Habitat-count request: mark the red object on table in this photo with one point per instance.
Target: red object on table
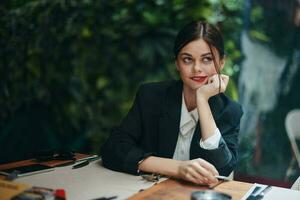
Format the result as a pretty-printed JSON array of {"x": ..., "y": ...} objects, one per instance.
[{"x": 60, "y": 194}]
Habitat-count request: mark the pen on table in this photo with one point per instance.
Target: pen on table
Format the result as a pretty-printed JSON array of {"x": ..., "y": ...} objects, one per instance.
[
  {"x": 92, "y": 157},
  {"x": 106, "y": 198},
  {"x": 84, "y": 163},
  {"x": 221, "y": 180},
  {"x": 224, "y": 178}
]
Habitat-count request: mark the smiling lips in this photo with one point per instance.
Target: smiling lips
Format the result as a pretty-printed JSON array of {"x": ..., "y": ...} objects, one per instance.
[{"x": 199, "y": 79}]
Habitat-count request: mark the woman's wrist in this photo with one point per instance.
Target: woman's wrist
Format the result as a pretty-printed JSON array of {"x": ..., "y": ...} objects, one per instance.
[
  {"x": 170, "y": 167},
  {"x": 201, "y": 99},
  {"x": 163, "y": 166},
  {"x": 178, "y": 164}
]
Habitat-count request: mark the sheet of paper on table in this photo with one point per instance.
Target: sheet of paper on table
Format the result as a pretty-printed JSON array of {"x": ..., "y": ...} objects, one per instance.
[{"x": 276, "y": 193}]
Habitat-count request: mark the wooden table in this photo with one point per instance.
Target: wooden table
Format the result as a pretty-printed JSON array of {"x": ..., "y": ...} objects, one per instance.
[{"x": 179, "y": 190}]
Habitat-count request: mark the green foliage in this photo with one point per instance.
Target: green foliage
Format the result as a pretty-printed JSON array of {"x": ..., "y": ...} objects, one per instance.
[{"x": 84, "y": 59}]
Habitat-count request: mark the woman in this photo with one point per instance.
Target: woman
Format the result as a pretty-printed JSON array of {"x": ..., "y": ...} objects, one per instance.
[{"x": 186, "y": 129}]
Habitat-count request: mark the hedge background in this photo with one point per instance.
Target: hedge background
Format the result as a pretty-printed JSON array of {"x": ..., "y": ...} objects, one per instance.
[{"x": 70, "y": 69}]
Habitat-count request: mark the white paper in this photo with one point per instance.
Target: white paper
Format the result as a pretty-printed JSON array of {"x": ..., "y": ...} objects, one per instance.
[{"x": 276, "y": 193}]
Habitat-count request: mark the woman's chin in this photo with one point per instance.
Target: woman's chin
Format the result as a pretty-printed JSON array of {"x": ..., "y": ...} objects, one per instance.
[
  {"x": 195, "y": 87},
  {"x": 192, "y": 85}
]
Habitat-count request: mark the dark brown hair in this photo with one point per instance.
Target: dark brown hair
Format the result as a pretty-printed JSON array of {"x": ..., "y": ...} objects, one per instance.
[{"x": 201, "y": 30}]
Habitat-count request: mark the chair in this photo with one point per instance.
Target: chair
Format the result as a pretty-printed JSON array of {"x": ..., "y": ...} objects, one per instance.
[
  {"x": 296, "y": 185},
  {"x": 292, "y": 126}
]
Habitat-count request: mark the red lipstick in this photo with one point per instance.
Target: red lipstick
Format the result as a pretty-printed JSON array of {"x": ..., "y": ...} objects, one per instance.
[{"x": 199, "y": 79}]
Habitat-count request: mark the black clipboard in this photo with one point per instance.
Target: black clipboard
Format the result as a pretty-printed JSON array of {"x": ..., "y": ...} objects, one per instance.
[{"x": 27, "y": 170}]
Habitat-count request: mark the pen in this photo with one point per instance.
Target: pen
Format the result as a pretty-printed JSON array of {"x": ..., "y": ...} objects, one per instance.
[
  {"x": 82, "y": 164},
  {"x": 85, "y": 162},
  {"x": 106, "y": 198},
  {"x": 224, "y": 178},
  {"x": 93, "y": 157}
]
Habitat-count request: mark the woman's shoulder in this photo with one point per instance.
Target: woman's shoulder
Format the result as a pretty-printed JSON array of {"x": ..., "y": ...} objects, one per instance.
[
  {"x": 160, "y": 85},
  {"x": 159, "y": 94},
  {"x": 153, "y": 97},
  {"x": 157, "y": 88}
]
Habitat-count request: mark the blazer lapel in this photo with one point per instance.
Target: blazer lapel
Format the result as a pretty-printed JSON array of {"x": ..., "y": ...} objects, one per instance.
[{"x": 169, "y": 122}]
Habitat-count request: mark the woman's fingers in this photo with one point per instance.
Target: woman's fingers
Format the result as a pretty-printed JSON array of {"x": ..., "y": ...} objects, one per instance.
[
  {"x": 206, "y": 176},
  {"x": 189, "y": 172},
  {"x": 198, "y": 171},
  {"x": 198, "y": 178},
  {"x": 214, "y": 80},
  {"x": 208, "y": 166},
  {"x": 191, "y": 178},
  {"x": 218, "y": 80},
  {"x": 215, "y": 84},
  {"x": 203, "y": 171},
  {"x": 225, "y": 79}
]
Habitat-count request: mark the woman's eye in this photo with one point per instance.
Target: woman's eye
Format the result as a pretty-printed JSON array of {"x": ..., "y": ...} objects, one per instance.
[
  {"x": 187, "y": 60},
  {"x": 207, "y": 59}
]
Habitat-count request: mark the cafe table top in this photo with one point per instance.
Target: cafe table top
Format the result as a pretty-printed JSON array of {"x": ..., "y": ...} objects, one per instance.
[{"x": 94, "y": 181}]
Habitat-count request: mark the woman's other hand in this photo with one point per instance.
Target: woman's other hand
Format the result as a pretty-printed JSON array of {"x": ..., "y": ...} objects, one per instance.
[
  {"x": 212, "y": 87},
  {"x": 198, "y": 171}
]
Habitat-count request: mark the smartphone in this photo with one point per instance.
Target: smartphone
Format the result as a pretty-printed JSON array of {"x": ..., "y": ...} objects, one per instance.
[{"x": 27, "y": 170}]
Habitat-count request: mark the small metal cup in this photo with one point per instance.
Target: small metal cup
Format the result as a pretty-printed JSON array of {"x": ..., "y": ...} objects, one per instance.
[{"x": 209, "y": 195}]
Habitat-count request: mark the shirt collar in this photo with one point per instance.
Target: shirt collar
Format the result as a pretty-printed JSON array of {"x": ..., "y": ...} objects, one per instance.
[{"x": 188, "y": 120}]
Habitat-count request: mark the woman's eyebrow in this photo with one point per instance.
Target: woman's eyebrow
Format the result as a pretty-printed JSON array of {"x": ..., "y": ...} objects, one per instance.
[
  {"x": 206, "y": 54},
  {"x": 202, "y": 55},
  {"x": 185, "y": 54}
]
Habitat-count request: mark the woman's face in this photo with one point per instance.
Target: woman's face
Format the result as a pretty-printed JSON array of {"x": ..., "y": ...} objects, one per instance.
[{"x": 195, "y": 63}]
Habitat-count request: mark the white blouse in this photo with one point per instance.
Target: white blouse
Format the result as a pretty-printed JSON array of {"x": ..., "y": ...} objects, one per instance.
[{"x": 188, "y": 122}]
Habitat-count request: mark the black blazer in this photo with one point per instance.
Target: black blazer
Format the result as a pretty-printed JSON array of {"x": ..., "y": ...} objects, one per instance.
[{"x": 152, "y": 126}]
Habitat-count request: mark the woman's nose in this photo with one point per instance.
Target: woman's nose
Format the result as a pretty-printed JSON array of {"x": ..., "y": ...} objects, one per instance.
[{"x": 197, "y": 67}]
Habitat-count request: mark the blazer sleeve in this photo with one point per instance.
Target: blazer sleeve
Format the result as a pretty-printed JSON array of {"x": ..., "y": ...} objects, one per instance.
[
  {"x": 225, "y": 157},
  {"x": 121, "y": 152}
]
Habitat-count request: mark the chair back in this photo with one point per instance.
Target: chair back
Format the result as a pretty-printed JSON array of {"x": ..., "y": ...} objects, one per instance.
[
  {"x": 296, "y": 184},
  {"x": 292, "y": 126}
]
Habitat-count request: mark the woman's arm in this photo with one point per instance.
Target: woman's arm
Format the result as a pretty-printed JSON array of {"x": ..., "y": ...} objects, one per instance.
[
  {"x": 224, "y": 155},
  {"x": 207, "y": 122},
  {"x": 197, "y": 171}
]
